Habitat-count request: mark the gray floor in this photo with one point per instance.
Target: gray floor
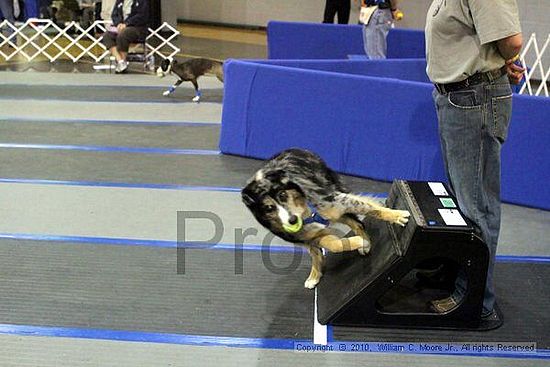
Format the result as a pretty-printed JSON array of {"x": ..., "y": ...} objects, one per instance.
[
  {"x": 39, "y": 110},
  {"x": 99, "y": 93},
  {"x": 145, "y": 213},
  {"x": 111, "y": 134}
]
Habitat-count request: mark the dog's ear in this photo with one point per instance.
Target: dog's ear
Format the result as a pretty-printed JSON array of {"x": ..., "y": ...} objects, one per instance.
[
  {"x": 277, "y": 177},
  {"x": 247, "y": 199},
  {"x": 248, "y": 194}
]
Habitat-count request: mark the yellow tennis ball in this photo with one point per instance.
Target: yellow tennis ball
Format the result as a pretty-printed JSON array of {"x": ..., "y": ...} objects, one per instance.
[
  {"x": 399, "y": 15},
  {"x": 293, "y": 228}
]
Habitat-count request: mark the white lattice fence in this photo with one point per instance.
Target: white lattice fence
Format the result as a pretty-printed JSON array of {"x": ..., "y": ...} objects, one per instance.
[
  {"x": 38, "y": 37},
  {"x": 535, "y": 69}
]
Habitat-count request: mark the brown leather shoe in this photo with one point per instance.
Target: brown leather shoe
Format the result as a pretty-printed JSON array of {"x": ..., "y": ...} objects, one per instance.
[{"x": 444, "y": 305}]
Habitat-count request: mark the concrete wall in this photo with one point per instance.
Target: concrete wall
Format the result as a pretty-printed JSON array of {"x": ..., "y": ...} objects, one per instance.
[
  {"x": 167, "y": 8},
  {"x": 250, "y": 12},
  {"x": 534, "y": 13}
]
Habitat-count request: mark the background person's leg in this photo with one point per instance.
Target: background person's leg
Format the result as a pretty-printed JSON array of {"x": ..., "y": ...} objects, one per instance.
[
  {"x": 376, "y": 32},
  {"x": 330, "y": 11},
  {"x": 344, "y": 8},
  {"x": 6, "y": 7},
  {"x": 109, "y": 40},
  {"x": 125, "y": 38}
]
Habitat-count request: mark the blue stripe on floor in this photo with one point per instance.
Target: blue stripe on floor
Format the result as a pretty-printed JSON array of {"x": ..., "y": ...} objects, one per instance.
[
  {"x": 222, "y": 341},
  {"x": 143, "y": 185},
  {"x": 91, "y": 121},
  {"x": 138, "y": 336},
  {"x": 94, "y": 148},
  {"x": 114, "y": 241},
  {"x": 120, "y": 185},
  {"x": 523, "y": 259}
]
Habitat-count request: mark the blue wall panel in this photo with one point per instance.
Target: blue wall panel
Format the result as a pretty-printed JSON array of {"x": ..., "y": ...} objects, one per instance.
[{"x": 290, "y": 40}]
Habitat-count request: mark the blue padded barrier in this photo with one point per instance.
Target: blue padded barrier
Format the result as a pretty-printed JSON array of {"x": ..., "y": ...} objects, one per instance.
[
  {"x": 526, "y": 153},
  {"x": 406, "y": 43},
  {"x": 348, "y": 119},
  {"x": 375, "y": 127},
  {"x": 403, "y": 69},
  {"x": 290, "y": 40}
]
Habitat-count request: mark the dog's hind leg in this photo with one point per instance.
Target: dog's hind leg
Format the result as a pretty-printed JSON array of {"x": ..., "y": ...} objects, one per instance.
[
  {"x": 198, "y": 93},
  {"x": 316, "y": 273},
  {"x": 172, "y": 88}
]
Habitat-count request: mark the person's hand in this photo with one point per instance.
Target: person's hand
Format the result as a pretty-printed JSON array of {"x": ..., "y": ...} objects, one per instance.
[
  {"x": 120, "y": 27},
  {"x": 515, "y": 72}
]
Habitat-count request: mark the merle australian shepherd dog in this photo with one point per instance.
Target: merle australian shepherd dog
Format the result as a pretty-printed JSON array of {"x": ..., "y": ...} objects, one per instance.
[
  {"x": 285, "y": 194},
  {"x": 190, "y": 71}
]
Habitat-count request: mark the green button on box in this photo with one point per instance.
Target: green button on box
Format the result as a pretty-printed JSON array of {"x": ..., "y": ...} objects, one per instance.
[{"x": 448, "y": 202}]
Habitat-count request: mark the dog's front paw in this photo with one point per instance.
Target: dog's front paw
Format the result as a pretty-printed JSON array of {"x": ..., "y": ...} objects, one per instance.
[
  {"x": 366, "y": 247},
  {"x": 197, "y": 99},
  {"x": 310, "y": 282},
  {"x": 402, "y": 217},
  {"x": 355, "y": 243}
]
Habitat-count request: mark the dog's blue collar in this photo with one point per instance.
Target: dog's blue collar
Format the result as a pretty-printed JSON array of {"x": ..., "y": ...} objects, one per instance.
[{"x": 316, "y": 218}]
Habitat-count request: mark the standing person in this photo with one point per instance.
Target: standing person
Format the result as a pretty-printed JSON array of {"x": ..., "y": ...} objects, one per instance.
[
  {"x": 340, "y": 7},
  {"x": 130, "y": 17},
  {"x": 471, "y": 46},
  {"x": 378, "y": 26}
]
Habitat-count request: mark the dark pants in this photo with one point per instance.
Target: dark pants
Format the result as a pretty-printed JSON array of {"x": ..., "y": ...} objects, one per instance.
[
  {"x": 332, "y": 7},
  {"x": 6, "y": 7},
  {"x": 123, "y": 39}
]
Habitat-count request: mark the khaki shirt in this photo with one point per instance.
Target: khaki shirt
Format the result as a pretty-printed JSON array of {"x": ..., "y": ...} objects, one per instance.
[{"x": 461, "y": 35}]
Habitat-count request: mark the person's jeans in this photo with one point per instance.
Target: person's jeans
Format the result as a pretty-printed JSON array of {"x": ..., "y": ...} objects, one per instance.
[
  {"x": 473, "y": 125},
  {"x": 376, "y": 32}
]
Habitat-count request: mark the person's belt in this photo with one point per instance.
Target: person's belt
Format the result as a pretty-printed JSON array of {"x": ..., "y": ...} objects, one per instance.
[
  {"x": 383, "y": 5},
  {"x": 473, "y": 80}
]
